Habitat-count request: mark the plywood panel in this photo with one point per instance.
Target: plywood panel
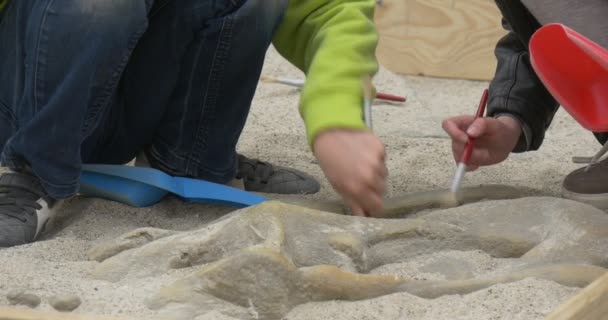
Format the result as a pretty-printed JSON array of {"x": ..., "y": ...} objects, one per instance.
[
  {"x": 442, "y": 38},
  {"x": 591, "y": 303}
]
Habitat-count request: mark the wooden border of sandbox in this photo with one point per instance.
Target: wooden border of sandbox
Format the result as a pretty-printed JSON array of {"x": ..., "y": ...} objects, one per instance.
[
  {"x": 25, "y": 314},
  {"x": 591, "y": 303}
]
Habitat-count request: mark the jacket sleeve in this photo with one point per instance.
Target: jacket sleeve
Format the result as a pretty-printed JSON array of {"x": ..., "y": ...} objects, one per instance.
[
  {"x": 333, "y": 43},
  {"x": 517, "y": 91}
]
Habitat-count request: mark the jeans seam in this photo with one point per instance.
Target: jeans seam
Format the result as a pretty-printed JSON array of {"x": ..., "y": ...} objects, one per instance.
[
  {"x": 103, "y": 99},
  {"x": 187, "y": 98},
  {"x": 209, "y": 100},
  {"x": 37, "y": 80}
]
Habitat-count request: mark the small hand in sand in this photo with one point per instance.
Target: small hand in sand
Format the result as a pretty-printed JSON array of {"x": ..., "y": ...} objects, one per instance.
[
  {"x": 354, "y": 163},
  {"x": 495, "y": 138}
]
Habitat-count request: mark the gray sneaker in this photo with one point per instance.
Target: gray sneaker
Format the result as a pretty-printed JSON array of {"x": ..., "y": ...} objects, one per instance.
[
  {"x": 590, "y": 186},
  {"x": 25, "y": 208},
  {"x": 264, "y": 177}
]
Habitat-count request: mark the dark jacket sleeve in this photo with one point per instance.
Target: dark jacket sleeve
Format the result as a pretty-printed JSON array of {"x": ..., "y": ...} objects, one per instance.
[{"x": 516, "y": 90}]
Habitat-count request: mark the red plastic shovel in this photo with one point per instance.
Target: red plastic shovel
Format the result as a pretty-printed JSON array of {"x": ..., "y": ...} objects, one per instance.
[{"x": 575, "y": 71}]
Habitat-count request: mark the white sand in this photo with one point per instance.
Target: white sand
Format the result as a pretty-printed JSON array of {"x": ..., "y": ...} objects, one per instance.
[
  {"x": 465, "y": 264},
  {"x": 523, "y": 300},
  {"x": 419, "y": 158}
]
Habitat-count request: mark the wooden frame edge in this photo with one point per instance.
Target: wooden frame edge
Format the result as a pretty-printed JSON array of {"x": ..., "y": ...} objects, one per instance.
[
  {"x": 9, "y": 313},
  {"x": 591, "y": 303}
]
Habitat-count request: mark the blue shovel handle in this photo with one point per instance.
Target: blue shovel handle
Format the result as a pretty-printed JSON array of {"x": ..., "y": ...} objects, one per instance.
[{"x": 142, "y": 187}]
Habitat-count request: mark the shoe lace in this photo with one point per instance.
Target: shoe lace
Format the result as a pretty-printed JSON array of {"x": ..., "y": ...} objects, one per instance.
[
  {"x": 595, "y": 160},
  {"x": 17, "y": 203},
  {"x": 254, "y": 169}
]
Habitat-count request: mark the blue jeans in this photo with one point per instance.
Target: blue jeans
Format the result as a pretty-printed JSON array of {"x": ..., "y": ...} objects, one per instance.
[{"x": 98, "y": 81}]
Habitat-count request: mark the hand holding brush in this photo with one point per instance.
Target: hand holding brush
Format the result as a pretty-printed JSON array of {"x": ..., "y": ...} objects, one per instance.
[
  {"x": 353, "y": 161},
  {"x": 493, "y": 139},
  {"x": 468, "y": 148}
]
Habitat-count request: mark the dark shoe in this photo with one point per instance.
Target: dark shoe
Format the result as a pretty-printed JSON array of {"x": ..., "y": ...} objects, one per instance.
[
  {"x": 264, "y": 177},
  {"x": 590, "y": 187},
  {"x": 25, "y": 208}
]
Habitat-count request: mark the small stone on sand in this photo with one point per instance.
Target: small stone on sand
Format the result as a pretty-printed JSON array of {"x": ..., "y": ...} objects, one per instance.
[
  {"x": 20, "y": 297},
  {"x": 66, "y": 303}
]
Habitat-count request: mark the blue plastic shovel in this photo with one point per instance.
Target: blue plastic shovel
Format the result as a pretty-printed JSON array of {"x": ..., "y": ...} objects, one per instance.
[{"x": 142, "y": 187}]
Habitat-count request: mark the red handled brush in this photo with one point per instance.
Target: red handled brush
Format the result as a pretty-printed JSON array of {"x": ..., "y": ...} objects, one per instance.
[{"x": 468, "y": 148}]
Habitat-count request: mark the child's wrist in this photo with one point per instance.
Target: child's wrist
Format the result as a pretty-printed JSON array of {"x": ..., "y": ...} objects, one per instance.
[
  {"x": 524, "y": 132},
  {"x": 512, "y": 123}
]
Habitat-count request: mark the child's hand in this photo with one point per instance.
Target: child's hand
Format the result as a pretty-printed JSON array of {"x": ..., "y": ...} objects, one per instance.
[
  {"x": 353, "y": 162},
  {"x": 495, "y": 138}
]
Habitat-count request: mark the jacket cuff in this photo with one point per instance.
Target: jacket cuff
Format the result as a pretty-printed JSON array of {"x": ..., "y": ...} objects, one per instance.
[{"x": 524, "y": 142}]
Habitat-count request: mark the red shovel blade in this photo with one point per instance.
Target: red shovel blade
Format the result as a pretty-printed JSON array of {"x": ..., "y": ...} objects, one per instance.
[{"x": 575, "y": 71}]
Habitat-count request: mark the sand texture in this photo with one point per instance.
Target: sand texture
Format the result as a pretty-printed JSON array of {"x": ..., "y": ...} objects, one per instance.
[{"x": 499, "y": 259}]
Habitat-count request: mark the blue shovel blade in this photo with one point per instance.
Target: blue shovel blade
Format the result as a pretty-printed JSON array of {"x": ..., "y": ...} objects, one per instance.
[
  {"x": 142, "y": 187},
  {"x": 116, "y": 188}
]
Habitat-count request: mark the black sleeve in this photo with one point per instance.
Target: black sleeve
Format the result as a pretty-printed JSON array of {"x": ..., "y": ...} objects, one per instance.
[{"x": 516, "y": 89}]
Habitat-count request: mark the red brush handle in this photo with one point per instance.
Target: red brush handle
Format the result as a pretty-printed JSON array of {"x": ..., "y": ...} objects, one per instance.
[
  {"x": 389, "y": 97},
  {"x": 468, "y": 149}
]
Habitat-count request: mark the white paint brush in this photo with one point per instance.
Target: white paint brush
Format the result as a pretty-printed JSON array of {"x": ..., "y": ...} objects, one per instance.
[
  {"x": 291, "y": 82},
  {"x": 300, "y": 83},
  {"x": 367, "y": 101}
]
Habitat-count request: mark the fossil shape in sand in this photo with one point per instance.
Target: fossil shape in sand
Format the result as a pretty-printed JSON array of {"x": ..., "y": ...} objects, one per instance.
[{"x": 260, "y": 262}]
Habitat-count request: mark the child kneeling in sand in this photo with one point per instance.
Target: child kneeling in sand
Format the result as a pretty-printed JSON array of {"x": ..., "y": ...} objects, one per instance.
[{"x": 99, "y": 81}]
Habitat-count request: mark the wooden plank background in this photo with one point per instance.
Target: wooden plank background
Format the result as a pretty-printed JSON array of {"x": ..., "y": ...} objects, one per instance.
[{"x": 441, "y": 38}]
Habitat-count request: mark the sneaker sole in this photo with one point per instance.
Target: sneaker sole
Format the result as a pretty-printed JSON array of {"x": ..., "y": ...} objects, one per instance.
[{"x": 599, "y": 200}]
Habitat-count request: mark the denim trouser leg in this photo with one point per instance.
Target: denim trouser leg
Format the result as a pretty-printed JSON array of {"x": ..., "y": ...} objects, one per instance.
[
  {"x": 217, "y": 79},
  {"x": 184, "y": 94},
  {"x": 61, "y": 61}
]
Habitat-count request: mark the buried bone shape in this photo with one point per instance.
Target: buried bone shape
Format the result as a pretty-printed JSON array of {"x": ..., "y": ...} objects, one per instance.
[{"x": 275, "y": 256}]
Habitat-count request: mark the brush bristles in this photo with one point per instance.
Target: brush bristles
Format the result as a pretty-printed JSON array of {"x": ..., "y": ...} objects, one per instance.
[{"x": 460, "y": 171}]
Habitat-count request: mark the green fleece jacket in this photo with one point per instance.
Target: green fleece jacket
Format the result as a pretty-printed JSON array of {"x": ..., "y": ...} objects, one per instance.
[{"x": 333, "y": 42}]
